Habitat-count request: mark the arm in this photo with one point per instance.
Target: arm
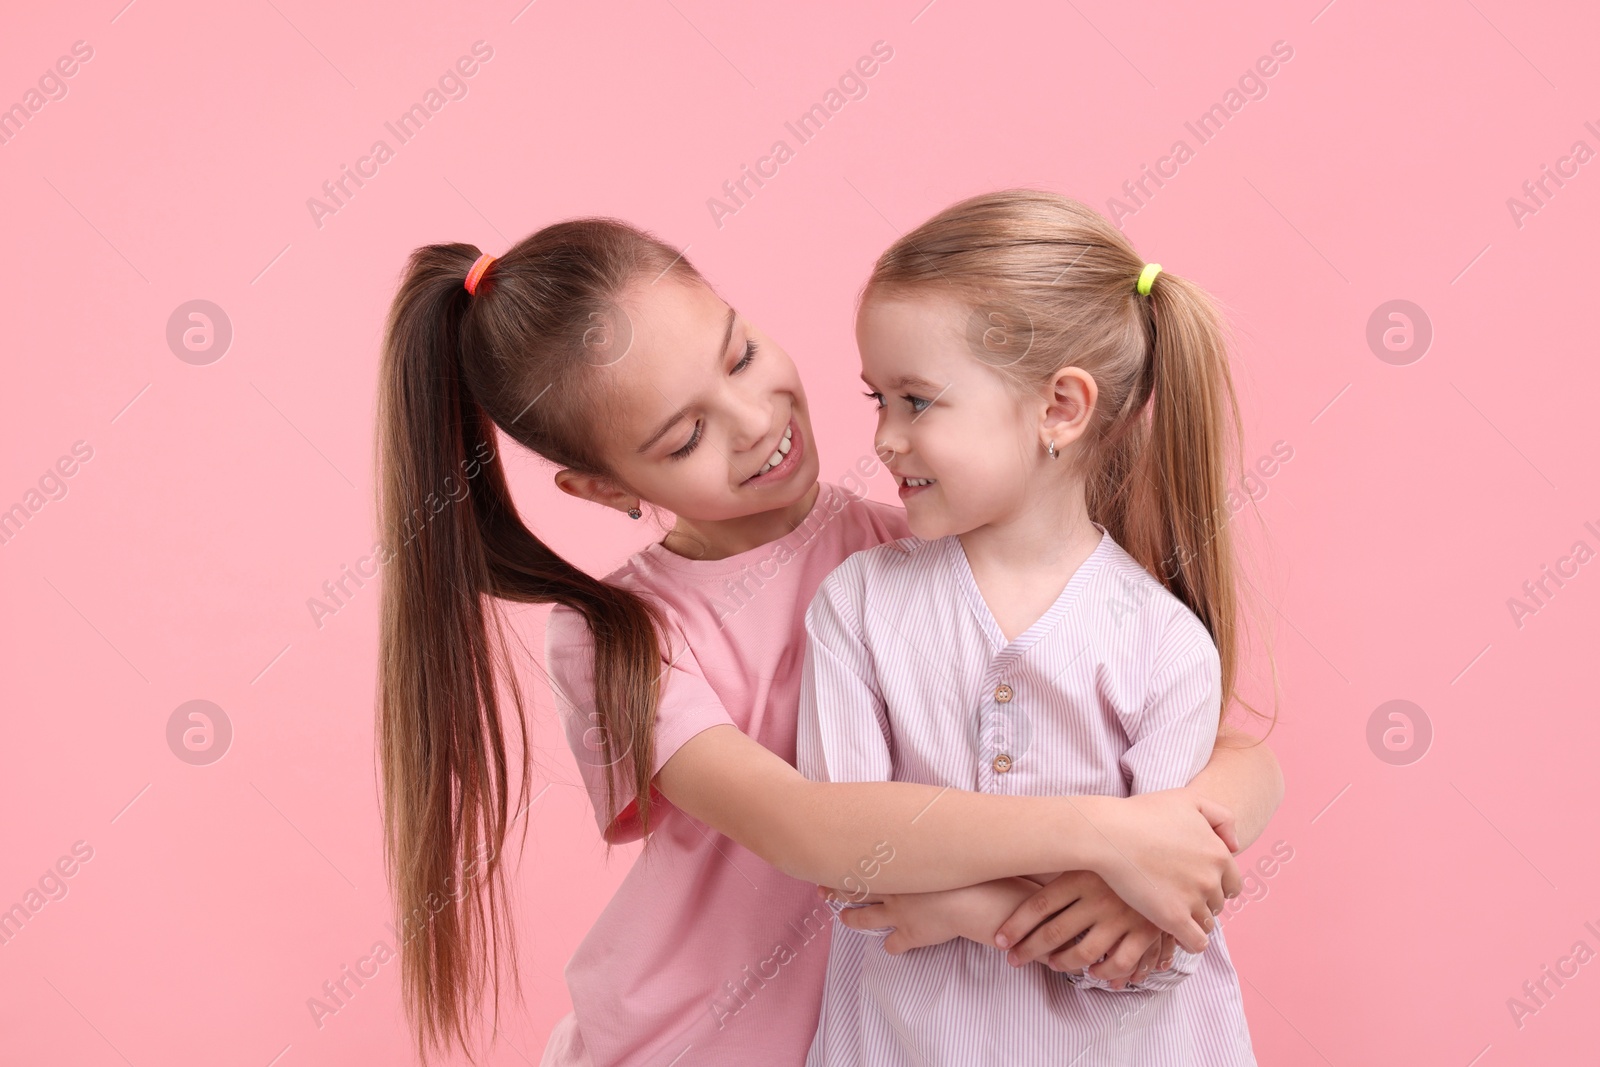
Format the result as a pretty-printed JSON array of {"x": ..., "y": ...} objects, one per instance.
[
  {"x": 830, "y": 821},
  {"x": 827, "y": 833},
  {"x": 1095, "y": 923},
  {"x": 1242, "y": 776},
  {"x": 915, "y": 920},
  {"x": 1158, "y": 848}
]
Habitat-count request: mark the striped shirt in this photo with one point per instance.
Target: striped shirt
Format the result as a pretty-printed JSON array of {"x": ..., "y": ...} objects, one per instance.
[{"x": 1115, "y": 690}]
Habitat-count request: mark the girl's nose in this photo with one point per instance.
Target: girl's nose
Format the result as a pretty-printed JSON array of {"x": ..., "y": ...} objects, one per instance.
[
  {"x": 752, "y": 425},
  {"x": 889, "y": 442}
]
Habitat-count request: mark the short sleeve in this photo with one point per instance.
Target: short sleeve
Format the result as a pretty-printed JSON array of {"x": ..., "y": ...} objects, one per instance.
[
  {"x": 687, "y": 706},
  {"x": 843, "y": 724},
  {"x": 1171, "y": 739},
  {"x": 1172, "y": 735}
]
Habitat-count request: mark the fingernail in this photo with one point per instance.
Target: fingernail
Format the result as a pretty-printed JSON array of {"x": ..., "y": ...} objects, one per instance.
[{"x": 1002, "y": 940}]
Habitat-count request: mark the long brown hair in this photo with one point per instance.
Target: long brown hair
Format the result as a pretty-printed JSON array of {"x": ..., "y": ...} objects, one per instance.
[
  {"x": 1051, "y": 283},
  {"x": 455, "y": 366}
]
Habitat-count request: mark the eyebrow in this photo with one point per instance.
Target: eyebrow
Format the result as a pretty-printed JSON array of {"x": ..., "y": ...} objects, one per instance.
[
  {"x": 678, "y": 416},
  {"x": 909, "y": 381}
]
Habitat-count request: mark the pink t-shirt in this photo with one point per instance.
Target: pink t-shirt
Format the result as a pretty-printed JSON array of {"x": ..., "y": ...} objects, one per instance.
[{"x": 706, "y": 955}]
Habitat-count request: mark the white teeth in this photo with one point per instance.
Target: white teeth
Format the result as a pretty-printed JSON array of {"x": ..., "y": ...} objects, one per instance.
[
  {"x": 919, "y": 481},
  {"x": 778, "y": 453}
]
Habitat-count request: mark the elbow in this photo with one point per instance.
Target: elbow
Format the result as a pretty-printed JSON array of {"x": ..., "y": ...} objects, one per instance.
[
  {"x": 1271, "y": 781},
  {"x": 1275, "y": 783}
]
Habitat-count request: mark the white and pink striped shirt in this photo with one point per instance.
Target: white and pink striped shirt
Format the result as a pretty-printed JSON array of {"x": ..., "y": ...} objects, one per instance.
[{"x": 1115, "y": 690}]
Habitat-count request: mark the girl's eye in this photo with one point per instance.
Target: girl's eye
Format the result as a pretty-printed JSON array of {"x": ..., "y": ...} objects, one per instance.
[
  {"x": 918, "y": 404},
  {"x": 689, "y": 446},
  {"x": 749, "y": 355},
  {"x": 694, "y": 438},
  {"x": 876, "y": 398}
]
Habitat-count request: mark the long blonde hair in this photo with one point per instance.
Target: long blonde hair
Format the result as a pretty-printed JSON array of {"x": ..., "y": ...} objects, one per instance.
[{"x": 1052, "y": 283}]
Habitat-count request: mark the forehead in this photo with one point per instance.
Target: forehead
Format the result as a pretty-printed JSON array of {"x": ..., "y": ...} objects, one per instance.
[
  {"x": 654, "y": 345},
  {"x": 921, "y": 334}
]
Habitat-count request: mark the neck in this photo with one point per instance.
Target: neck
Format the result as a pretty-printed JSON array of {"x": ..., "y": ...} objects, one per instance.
[
  {"x": 721, "y": 538},
  {"x": 1048, "y": 534}
]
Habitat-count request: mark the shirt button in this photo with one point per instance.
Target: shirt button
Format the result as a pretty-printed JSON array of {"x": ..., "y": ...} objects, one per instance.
[
  {"x": 1002, "y": 695},
  {"x": 1002, "y": 763}
]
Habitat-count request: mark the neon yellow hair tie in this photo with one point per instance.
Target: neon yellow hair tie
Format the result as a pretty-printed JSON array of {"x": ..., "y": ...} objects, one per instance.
[{"x": 1147, "y": 277}]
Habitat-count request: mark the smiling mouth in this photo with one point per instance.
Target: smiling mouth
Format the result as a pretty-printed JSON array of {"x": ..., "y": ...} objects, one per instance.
[
  {"x": 914, "y": 483},
  {"x": 779, "y": 454}
]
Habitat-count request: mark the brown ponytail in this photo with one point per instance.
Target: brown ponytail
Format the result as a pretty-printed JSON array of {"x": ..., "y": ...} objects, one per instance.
[
  {"x": 1051, "y": 283},
  {"x": 456, "y": 366}
]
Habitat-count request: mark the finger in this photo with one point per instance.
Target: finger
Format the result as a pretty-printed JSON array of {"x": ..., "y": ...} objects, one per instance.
[
  {"x": 1141, "y": 968},
  {"x": 1228, "y": 832},
  {"x": 1232, "y": 882},
  {"x": 1050, "y": 899},
  {"x": 1052, "y": 935},
  {"x": 1096, "y": 943},
  {"x": 1169, "y": 949},
  {"x": 1216, "y": 900},
  {"x": 1220, "y": 817},
  {"x": 896, "y": 943},
  {"x": 1124, "y": 958},
  {"x": 871, "y": 917},
  {"x": 1190, "y": 934},
  {"x": 1148, "y": 962}
]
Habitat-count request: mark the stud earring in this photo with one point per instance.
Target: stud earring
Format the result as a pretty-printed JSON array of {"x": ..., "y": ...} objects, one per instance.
[
  {"x": 1052, "y": 450},
  {"x": 635, "y": 513}
]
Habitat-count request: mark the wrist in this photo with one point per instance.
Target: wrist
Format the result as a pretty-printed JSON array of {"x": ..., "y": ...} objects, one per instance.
[{"x": 1089, "y": 819}]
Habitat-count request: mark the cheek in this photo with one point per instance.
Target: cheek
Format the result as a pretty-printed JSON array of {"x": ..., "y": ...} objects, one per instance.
[
  {"x": 982, "y": 476},
  {"x": 985, "y": 464},
  {"x": 677, "y": 486}
]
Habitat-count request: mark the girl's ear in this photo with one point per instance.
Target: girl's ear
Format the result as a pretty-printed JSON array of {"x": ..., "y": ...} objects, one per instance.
[
  {"x": 596, "y": 488},
  {"x": 1069, "y": 405}
]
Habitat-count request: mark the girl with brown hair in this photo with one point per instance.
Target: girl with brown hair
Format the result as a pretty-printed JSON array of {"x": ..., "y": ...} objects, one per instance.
[{"x": 601, "y": 349}]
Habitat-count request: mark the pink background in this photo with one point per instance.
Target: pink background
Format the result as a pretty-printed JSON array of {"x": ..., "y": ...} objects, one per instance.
[{"x": 220, "y": 497}]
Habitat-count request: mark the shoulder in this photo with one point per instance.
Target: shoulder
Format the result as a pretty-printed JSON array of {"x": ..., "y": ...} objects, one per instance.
[
  {"x": 566, "y": 629},
  {"x": 871, "y": 574},
  {"x": 1153, "y": 620},
  {"x": 867, "y": 574},
  {"x": 880, "y": 564}
]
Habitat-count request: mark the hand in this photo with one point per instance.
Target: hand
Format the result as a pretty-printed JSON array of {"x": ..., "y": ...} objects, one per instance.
[
  {"x": 1158, "y": 957},
  {"x": 1089, "y": 927},
  {"x": 921, "y": 919},
  {"x": 1168, "y": 854}
]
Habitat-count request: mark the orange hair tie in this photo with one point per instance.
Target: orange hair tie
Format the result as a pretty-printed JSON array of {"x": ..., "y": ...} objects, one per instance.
[{"x": 479, "y": 265}]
